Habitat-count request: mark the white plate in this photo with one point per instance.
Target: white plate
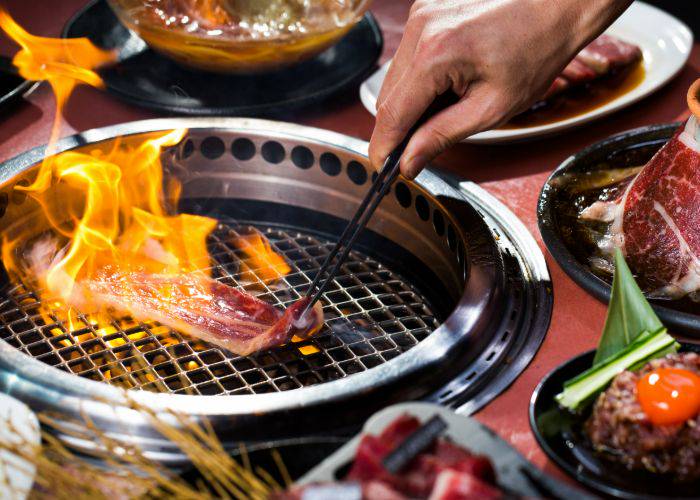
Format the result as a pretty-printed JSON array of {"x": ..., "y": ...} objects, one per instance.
[{"x": 665, "y": 41}]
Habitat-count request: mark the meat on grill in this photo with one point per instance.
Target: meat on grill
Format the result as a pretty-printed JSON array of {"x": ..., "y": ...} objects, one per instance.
[
  {"x": 444, "y": 471},
  {"x": 602, "y": 57},
  {"x": 619, "y": 427},
  {"x": 655, "y": 220},
  {"x": 203, "y": 308}
]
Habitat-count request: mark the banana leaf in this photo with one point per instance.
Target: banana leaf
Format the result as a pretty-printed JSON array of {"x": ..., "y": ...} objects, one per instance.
[{"x": 629, "y": 313}]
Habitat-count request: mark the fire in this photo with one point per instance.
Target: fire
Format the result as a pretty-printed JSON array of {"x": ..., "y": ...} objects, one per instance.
[
  {"x": 63, "y": 63},
  {"x": 105, "y": 208},
  {"x": 260, "y": 259}
]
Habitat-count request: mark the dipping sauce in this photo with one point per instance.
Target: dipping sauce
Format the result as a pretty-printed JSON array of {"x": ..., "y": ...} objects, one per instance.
[
  {"x": 577, "y": 101},
  {"x": 669, "y": 395}
]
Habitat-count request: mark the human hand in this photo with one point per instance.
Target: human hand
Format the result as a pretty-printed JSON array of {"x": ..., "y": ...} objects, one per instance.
[{"x": 498, "y": 56}]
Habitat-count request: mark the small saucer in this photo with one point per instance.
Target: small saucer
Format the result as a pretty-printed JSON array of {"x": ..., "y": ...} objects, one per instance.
[{"x": 150, "y": 80}]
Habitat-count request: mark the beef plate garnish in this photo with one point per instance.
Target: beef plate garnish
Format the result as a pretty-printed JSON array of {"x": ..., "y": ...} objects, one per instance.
[
  {"x": 620, "y": 429},
  {"x": 654, "y": 219},
  {"x": 443, "y": 471}
]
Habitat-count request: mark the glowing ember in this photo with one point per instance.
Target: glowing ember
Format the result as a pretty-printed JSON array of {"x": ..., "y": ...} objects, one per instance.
[{"x": 112, "y": 242}]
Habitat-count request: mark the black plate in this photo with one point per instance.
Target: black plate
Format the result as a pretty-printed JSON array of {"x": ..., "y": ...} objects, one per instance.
[
  {"x": 560, "y": 436},
  {"x": 12, "y": 88},
  {"x": 634, "y": 147},
  {"x": 147, "y": 79}
]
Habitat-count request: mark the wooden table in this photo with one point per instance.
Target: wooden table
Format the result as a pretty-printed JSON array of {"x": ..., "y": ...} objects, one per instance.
[{"x": 514, "y": 173}]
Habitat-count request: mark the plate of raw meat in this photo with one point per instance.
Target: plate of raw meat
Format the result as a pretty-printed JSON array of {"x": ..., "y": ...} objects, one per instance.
[
  {"x": 421, "y": 450},
  {"x": 638, "y": 191},
  {"x": 636, "y": 56}
]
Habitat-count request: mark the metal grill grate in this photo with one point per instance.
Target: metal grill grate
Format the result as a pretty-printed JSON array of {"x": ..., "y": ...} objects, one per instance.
[{"x": 372, "y": 315}]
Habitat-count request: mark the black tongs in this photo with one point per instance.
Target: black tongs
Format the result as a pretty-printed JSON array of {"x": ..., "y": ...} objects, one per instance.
[{"x": 380, "y": 186}]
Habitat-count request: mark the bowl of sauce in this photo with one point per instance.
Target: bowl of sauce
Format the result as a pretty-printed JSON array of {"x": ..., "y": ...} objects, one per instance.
[{"x": 240, "y": 36}]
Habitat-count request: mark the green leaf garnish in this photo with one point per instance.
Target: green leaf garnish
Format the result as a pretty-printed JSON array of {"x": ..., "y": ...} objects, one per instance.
[
  {"x": 633, "y": 335},
  {"x": 629, "y": 313}
]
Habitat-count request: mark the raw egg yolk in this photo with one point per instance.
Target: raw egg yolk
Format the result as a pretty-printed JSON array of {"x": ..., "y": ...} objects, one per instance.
[{"x": 669, "y": 395}]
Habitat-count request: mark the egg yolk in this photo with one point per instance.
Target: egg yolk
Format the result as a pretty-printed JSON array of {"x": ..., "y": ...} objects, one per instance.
[{"x": 669, "y": 395}]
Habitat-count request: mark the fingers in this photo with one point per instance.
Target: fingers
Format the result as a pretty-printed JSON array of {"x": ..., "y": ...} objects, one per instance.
[
  {"x": 477, "y": 112},
  {"x": 400, "y": 110}
]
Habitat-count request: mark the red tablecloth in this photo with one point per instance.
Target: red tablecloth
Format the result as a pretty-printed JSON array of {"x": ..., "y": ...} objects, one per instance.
[{"x": 514, "y": 173}]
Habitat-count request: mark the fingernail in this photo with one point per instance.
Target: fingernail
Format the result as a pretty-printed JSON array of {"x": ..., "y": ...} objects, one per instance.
[{"x": 413, "y": 166}]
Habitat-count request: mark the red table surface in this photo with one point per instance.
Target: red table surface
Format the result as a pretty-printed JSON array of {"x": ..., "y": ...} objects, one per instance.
[{"x": 514, "y": 173}]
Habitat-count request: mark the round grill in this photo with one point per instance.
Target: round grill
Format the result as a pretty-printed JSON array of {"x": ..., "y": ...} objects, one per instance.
[
  {"x": 445, "y": 296},
  {"x": 372, "y": 315}
]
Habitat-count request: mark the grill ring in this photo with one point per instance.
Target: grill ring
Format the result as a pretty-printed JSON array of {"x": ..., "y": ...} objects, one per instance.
[{"x": 265, "y": 416}]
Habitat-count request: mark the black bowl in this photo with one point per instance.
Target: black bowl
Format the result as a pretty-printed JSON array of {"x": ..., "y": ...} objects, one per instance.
[
  {"x": 147, "y": 79},
  {"x": 561, "y": 437},
  {"x": 634, "y": 147}
]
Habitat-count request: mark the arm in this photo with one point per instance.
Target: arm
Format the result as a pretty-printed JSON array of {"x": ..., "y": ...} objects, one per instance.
[{"x": 499, "y": 56}]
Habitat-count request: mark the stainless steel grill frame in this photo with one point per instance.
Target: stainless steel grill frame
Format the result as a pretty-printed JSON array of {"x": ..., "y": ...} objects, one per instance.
[{"x": 268, "y": 162}]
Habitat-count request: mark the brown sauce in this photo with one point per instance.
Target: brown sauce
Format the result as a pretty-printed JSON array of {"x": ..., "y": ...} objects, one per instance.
[{"x": 580, "y": 100}]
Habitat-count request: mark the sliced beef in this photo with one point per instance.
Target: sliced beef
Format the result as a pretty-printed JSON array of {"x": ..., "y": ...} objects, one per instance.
[
  {"x": 201, "y": 307},
  {"x": 418, "y": 478},
  {"x": 655, "y": 220},
  {"x": 603, "y": 57}
]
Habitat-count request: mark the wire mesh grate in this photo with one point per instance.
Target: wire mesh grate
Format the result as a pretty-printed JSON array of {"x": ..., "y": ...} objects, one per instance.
[{"x": 371, "y": 316}]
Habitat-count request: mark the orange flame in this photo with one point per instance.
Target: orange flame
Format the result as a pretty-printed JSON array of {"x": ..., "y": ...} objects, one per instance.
[
  {"x": 63, "y": 62},
  {"x": 105, "y": 206},
  {"x": 260, "y": 258}
]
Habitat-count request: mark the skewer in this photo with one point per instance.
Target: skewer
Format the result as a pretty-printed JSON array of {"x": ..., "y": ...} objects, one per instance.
[{"x": 379, "y": 188}]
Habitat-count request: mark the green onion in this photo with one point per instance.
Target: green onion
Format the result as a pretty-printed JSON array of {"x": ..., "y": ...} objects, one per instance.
[
  {"x": 582, "y": 389},
  {"x": 633, "y": 335}
]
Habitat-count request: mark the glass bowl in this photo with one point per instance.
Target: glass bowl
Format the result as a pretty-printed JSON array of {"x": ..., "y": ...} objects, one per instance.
[{"x": 240, "y": 36}]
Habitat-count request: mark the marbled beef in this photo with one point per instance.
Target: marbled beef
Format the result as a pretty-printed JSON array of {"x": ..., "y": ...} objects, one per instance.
[{"x": 656, "y": 220}]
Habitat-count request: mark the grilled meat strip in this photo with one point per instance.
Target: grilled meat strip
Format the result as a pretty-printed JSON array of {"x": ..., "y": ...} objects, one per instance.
[{"x": 203, "y": 308}]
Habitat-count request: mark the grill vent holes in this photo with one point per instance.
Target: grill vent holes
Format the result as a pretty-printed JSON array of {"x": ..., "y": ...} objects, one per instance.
[
  {"x": 422, "y": 208},
  {"x": 273, "y": 152},
  {"x": 243, "y": 149},
  {"x": 330, "y": 164},
  {"x": 212, "y": 148},
  {"x": 403, "y": 194},
  {"x": 357, "y": 172},
  {"x": 438, "y": 223},
  {"x": 302, "y": 157},
  {"x": 187, "y": 149}
]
